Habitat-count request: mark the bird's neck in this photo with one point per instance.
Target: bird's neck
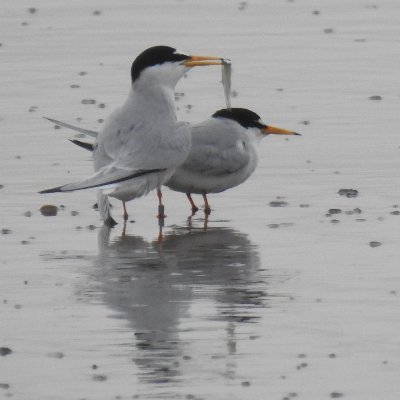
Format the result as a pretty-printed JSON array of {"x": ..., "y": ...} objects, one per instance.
[{"x": 156, "y": 99}]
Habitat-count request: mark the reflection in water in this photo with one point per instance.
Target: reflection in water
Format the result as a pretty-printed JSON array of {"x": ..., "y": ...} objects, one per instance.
[{"x": 155, "y": 286}]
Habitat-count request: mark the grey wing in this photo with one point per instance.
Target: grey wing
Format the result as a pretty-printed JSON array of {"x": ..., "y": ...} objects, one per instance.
[
  {"x": 216, "y": 153},
  {"x": 143, "y": 147}
]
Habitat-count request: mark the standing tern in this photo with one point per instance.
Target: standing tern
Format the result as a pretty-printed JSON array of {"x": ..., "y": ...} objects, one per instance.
[
  {"x": 142, "y": 142},
  {"x": 223, "y": 153}
]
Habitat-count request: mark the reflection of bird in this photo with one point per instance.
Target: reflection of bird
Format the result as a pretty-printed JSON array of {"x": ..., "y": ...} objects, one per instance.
[
  {"x": 156, "y": 288},
  {"x": 142, "y": 141},
  {"x": 223, "y": 153}
]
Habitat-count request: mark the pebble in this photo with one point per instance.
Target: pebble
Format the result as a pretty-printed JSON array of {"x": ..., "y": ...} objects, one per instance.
[
  {"x": 32, "y": 10},
  {"x": 4, "y": 386},
  {"x": 48, "y": 210},
  {"x": 55, "y": 354},
  {"x": 395, "y": 213},
  {"x": 1, "y": 186},
  {"x": 28, "y": 214},
  {"x": 334, "y": 211},
  {"x": 348, "y": 192},
  {"x": 88, "y": 101},
  {"x": 5, "y": 351},
  {"x": 336, "y": 395},
  {"x": 6, "y": 231},
  {"x": 375, "y": 244},
  {"x": 376, "y": 97},
  {"x": 328, "y": 30},
  {"x": 278, "y": 203},
  {"x": 99, "y": 378}
]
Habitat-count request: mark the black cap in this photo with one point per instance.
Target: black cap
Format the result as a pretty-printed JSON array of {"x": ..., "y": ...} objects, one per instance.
[
  {"x": 154, "y": 56},
  {"x": 243, "y": 116}
]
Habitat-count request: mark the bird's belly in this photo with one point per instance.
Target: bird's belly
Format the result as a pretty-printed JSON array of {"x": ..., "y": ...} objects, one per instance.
[
  {"x": 189, "y": 182},
  {"x": 140, "y": 186}
]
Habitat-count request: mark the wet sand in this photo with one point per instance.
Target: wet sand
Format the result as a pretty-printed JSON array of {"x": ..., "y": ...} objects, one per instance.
[{"x": 291, "y": 289}]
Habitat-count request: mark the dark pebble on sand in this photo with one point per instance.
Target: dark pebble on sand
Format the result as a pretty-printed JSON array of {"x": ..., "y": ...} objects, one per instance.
[
  {"x": 5, "y": 351},
  {"x": 28, "y": 214},
  {"x": 334, "y": 211},
  {"x": 82, "y": 73},
  {"x": 348, "y": 192},
  {"x": 74, "y": 86},
  {"x": 6, "y": 231},
  {"x": 395, "y": 213},
  {"x": 99, "y": 378},
  {"x": 336, "y": 395},
  {"x": 245, "y": 383},
  {"x": 74, "y": 213},
  {"x": 96, "y": 12},
  {"x": 32, "y": 10},
  {"x": 48, "y": 210},
  {"x": 375, "y": 97},
  {"x": 4, "y": 386},
  {"x": 278, "y": 203},
  {"x": 328, "y": 30},
  {"x": 55, "y": 354},
  {"x": 375, "y": 244},
  {"x": 88, "y": 101},
  {"x": 1, "y": 186}
]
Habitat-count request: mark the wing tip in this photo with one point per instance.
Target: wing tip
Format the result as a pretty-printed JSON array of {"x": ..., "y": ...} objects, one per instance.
[{"x": 52, "y": 190}]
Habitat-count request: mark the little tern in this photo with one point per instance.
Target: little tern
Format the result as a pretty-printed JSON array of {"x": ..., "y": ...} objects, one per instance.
[
  {"x": 142, "y": 142},
  {"x": 223, "y": 153}
]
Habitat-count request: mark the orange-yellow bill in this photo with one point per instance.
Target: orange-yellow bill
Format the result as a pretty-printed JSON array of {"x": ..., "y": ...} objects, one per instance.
[
  {"x": 268, "y": 129},
  {"x": 199, "y": 61}
]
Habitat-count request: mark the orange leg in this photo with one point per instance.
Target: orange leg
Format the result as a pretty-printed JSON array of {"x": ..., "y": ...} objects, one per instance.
[
  {"x": 160, "y": 205},
  {"x": 125, "y": 212},
  {"x": 194, "y": 207},
  {"x": 207, "y": 209}
]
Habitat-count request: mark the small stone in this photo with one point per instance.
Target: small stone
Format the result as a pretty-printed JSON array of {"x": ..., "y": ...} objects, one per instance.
[
  {"x": 99, "y": 378},
  {"x": 28, "y": 214},
  {"x": 304, "y": 206},
  {"x": 328, "y": 30},
  {"x": 375, "y": 97},
  {"x": 96, "y": 12},
  {"x": 306, "y": 122},
  {"x": 348, "y": 192},
  {"x": 102, "y": 105},
  {"x": 273, "y": 226},
  {"x": 316, "y": 12},
  {"x": 100, "y": 120},
  {"x": 278, "y": 203},
  {"x": 1, "y": 186},
  {"x": 88, "y": 101},
  {"x": 48, "y": 210},
  {"x": 74, "y": 213},
  {"x": 332, "y": 355},
  {"x": 375, "y": 244},
  {"x": 32, "y": 10},
  {"x": 336, "y": 395},
  {"x": 245, "y": 383},
  {"x": 94, "y": 366},
  {"x": 82, "y": 73},
  {"x": 74, "y": 86},
  {"x": 335, "y": 221},
  {"x": 4, "y": 386},
  {"x": 334, "y": 211},
  {"x": 395, "y": 213},
  {"x": 5, "y": 351},
  {"x": 6, "y": 231},
  {"x": 55, "y": 354}
]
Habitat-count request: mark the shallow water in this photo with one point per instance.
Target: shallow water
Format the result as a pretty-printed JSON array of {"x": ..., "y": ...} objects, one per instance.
[{"x": 260, "y": 301}]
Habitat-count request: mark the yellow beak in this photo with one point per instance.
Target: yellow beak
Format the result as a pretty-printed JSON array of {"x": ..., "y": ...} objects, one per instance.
[
  {"x": 267, "y": 130},
  {"x": 200, "y": 61}
]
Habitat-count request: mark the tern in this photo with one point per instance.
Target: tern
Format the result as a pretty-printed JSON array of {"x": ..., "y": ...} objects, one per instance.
[
  {"x": 223, "y": 153},
  {"x": 142, "y": 142}
]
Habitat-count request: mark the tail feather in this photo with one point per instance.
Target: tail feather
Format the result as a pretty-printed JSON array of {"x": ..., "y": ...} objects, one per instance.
[
  {"x": 73, "y": 127},
  {"x": 84, "y": 145},
  {"x": 102, "y": 180}
]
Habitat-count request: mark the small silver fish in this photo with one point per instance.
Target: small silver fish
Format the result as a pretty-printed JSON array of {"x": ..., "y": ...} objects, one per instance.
[{"x": 226, "y": 81}]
